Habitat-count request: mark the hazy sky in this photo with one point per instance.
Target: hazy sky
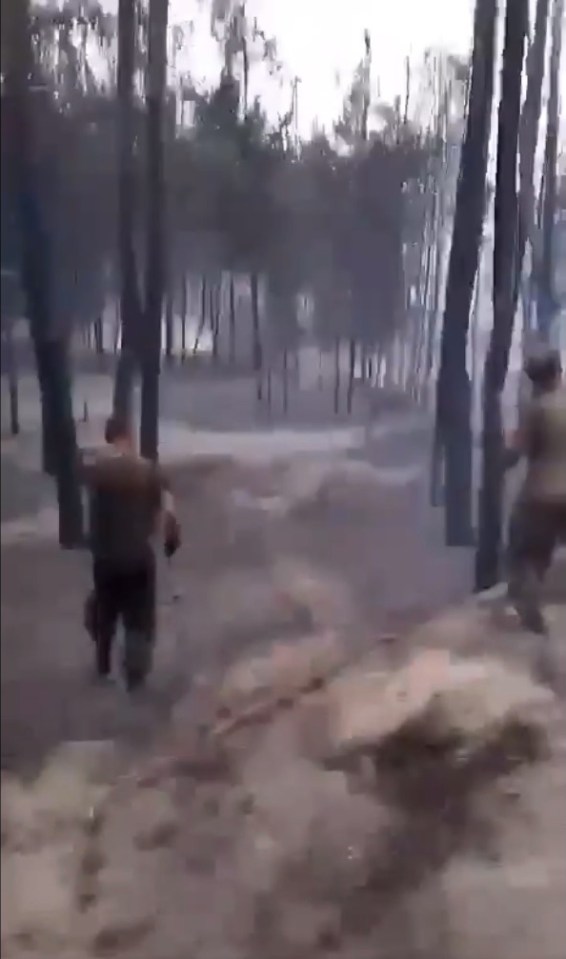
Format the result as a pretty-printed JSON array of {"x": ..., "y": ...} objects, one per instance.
[
  {"x": 321, "y": 41},
  {"x": 318, "y": 39}
]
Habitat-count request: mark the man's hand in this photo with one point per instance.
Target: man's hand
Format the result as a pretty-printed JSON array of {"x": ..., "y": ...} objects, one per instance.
[{"x": 171, "y": 535}]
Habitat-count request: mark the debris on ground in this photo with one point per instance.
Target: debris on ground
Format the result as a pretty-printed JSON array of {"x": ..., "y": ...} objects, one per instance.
[{"x": 353, "y": 818}]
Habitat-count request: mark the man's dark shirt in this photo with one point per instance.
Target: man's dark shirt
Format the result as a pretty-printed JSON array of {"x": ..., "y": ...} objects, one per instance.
[
  {"x": 125, "y": 499},
  {"x": 543, "y": 431}
]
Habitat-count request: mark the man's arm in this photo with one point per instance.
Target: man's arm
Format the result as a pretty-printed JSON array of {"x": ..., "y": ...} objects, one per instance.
[
  {"x": 168, "y": 515},
  {"x": 521, "y": 440}
]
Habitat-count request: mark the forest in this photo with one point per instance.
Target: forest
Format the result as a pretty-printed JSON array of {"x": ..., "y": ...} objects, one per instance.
[{"x": 129, "y": 188}]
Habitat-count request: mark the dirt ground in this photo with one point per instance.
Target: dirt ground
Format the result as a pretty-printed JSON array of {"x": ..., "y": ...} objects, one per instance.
[
  {"x": 255, "y": 850},
  {"x": 237, "y": 585}
]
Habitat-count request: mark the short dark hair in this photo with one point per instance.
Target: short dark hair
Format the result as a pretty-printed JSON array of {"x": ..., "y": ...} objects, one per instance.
[
  {"x": 117, "y": 428},
  {"x": 544, "y": 368}
]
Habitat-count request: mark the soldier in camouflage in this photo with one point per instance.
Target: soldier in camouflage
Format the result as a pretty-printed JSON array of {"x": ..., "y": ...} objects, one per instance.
[{"x": 538, "y": 520}]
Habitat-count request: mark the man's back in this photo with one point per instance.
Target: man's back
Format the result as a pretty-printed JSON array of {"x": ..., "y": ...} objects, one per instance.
[
  {"x": 125, "y": 493},
  {"x": 546, "y": 448}
]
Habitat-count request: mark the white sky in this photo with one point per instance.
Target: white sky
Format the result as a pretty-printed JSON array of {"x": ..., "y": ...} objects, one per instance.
[
  {"x": 322, "y": 40},
  {"x": 318, "y": 39}
]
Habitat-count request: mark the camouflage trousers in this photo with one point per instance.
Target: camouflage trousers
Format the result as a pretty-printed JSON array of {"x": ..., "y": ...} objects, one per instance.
[
  {"x": 129, "y": 595},
  {"x": 535, "y": 530}
]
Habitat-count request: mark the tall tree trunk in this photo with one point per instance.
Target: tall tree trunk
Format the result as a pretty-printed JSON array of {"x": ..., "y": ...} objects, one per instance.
[
  {"x": 351, "y": 374},
  {"x": 474, "y": 336},
  {"x": 59, "y": 436},
  {"x": 12, "y": 372},
  {"x": 257, "y": 351},
  {"x": 423, "y": 324},
  {"x": 215, "y": 319},
  {"x": 232, "y": 323},
  {"x": 202, "y": 321},
  {"x": 155, "y": 257},
  {"x": 547, "y": 305},
  {"x": 184, "y": 307},
  {"x": 454, "y": 390},
  {"x": 98, "y": 327},
  {"x": 130, "y": 300},
  {"x": 169, "y": 320},
  {"x": 170, "y": 122},
  {"x": 528, "y": 139},
  {"x": 490, "y": 506},
  {"x": 337, "y": 347},
  {"x": 285, "y": 380}
]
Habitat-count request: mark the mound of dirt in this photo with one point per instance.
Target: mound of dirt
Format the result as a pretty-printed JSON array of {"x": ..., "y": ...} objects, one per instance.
[{"x": 351, "y": 812}]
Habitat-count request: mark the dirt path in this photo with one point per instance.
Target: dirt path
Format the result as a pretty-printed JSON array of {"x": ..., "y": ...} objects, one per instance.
[{"x": 244, "y": 574}]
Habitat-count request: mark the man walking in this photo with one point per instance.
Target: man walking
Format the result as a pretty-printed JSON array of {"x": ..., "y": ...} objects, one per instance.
[
  {"x": 128, "y": 497},
  {"x": 538, "y": 520}
]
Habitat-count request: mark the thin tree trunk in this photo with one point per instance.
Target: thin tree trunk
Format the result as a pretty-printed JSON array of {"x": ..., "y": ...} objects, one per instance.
[
  {"x": 202, "y": 321},
  {"x": 547, "y": 305},
  {"x": 169, "y": 320},
  {"x": 454, "y": 389},
  {"x": 257, "y": 350},
  {"x": 351, "y": 374},
  {"x": 474, "y": 338},
  {"x": 417, "y": 372},
  {"x": 130, "y": 301},
  {"x": 155, "y": 259},
  {"x": 320, "y": 377},
  {"x": 337, "y": 346},
  {"x": 99, "y": 336},
  {"x": 12, "y": 371},
  {"x": 285, "y": 380},
  {"x": 490, "y": 504},
  {"x": 214, "y": 305},
  {"x": 117, "y": 328},
  {"x": 232, "y": 323},
  {"x": 184, "y": 305},
  {"x": 528, "y": 139}
]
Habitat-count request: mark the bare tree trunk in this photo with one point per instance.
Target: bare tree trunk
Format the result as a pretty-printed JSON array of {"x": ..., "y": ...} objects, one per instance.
[
  {"x": 454, "y": 389},
  {"x": 202, "y": 320},
  {"x": 547, "y": 305},
  {"x": 214, "y": 317},
  {"x": 351, "y": 374},
  {"x": 99, "y": 336},
  {"x": 130, "y": 301},
  {"x": 184, "y": 305},
  {"x": 528, "y": 139},
  {"x": 435, "y": 308},
  {"x": 155, "y": 260},
  {"x": 337, "y": 346},
  {"x": 169, "y": 320},
  {"x": 58, "y": 433},
  {"x": 12, "y": 371},
  {"x": 285, "y": 380},
  {"x": 490, "y": 506},
  {"x": 257, "y": 351},
  {"x": 474, "y": 338},
  {"x": 117, "y": 328},
  {"x": 232, "y": 323}
]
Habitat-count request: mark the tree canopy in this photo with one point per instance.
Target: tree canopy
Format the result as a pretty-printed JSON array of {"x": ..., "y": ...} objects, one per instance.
[{"x": 331, "y": 217}]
